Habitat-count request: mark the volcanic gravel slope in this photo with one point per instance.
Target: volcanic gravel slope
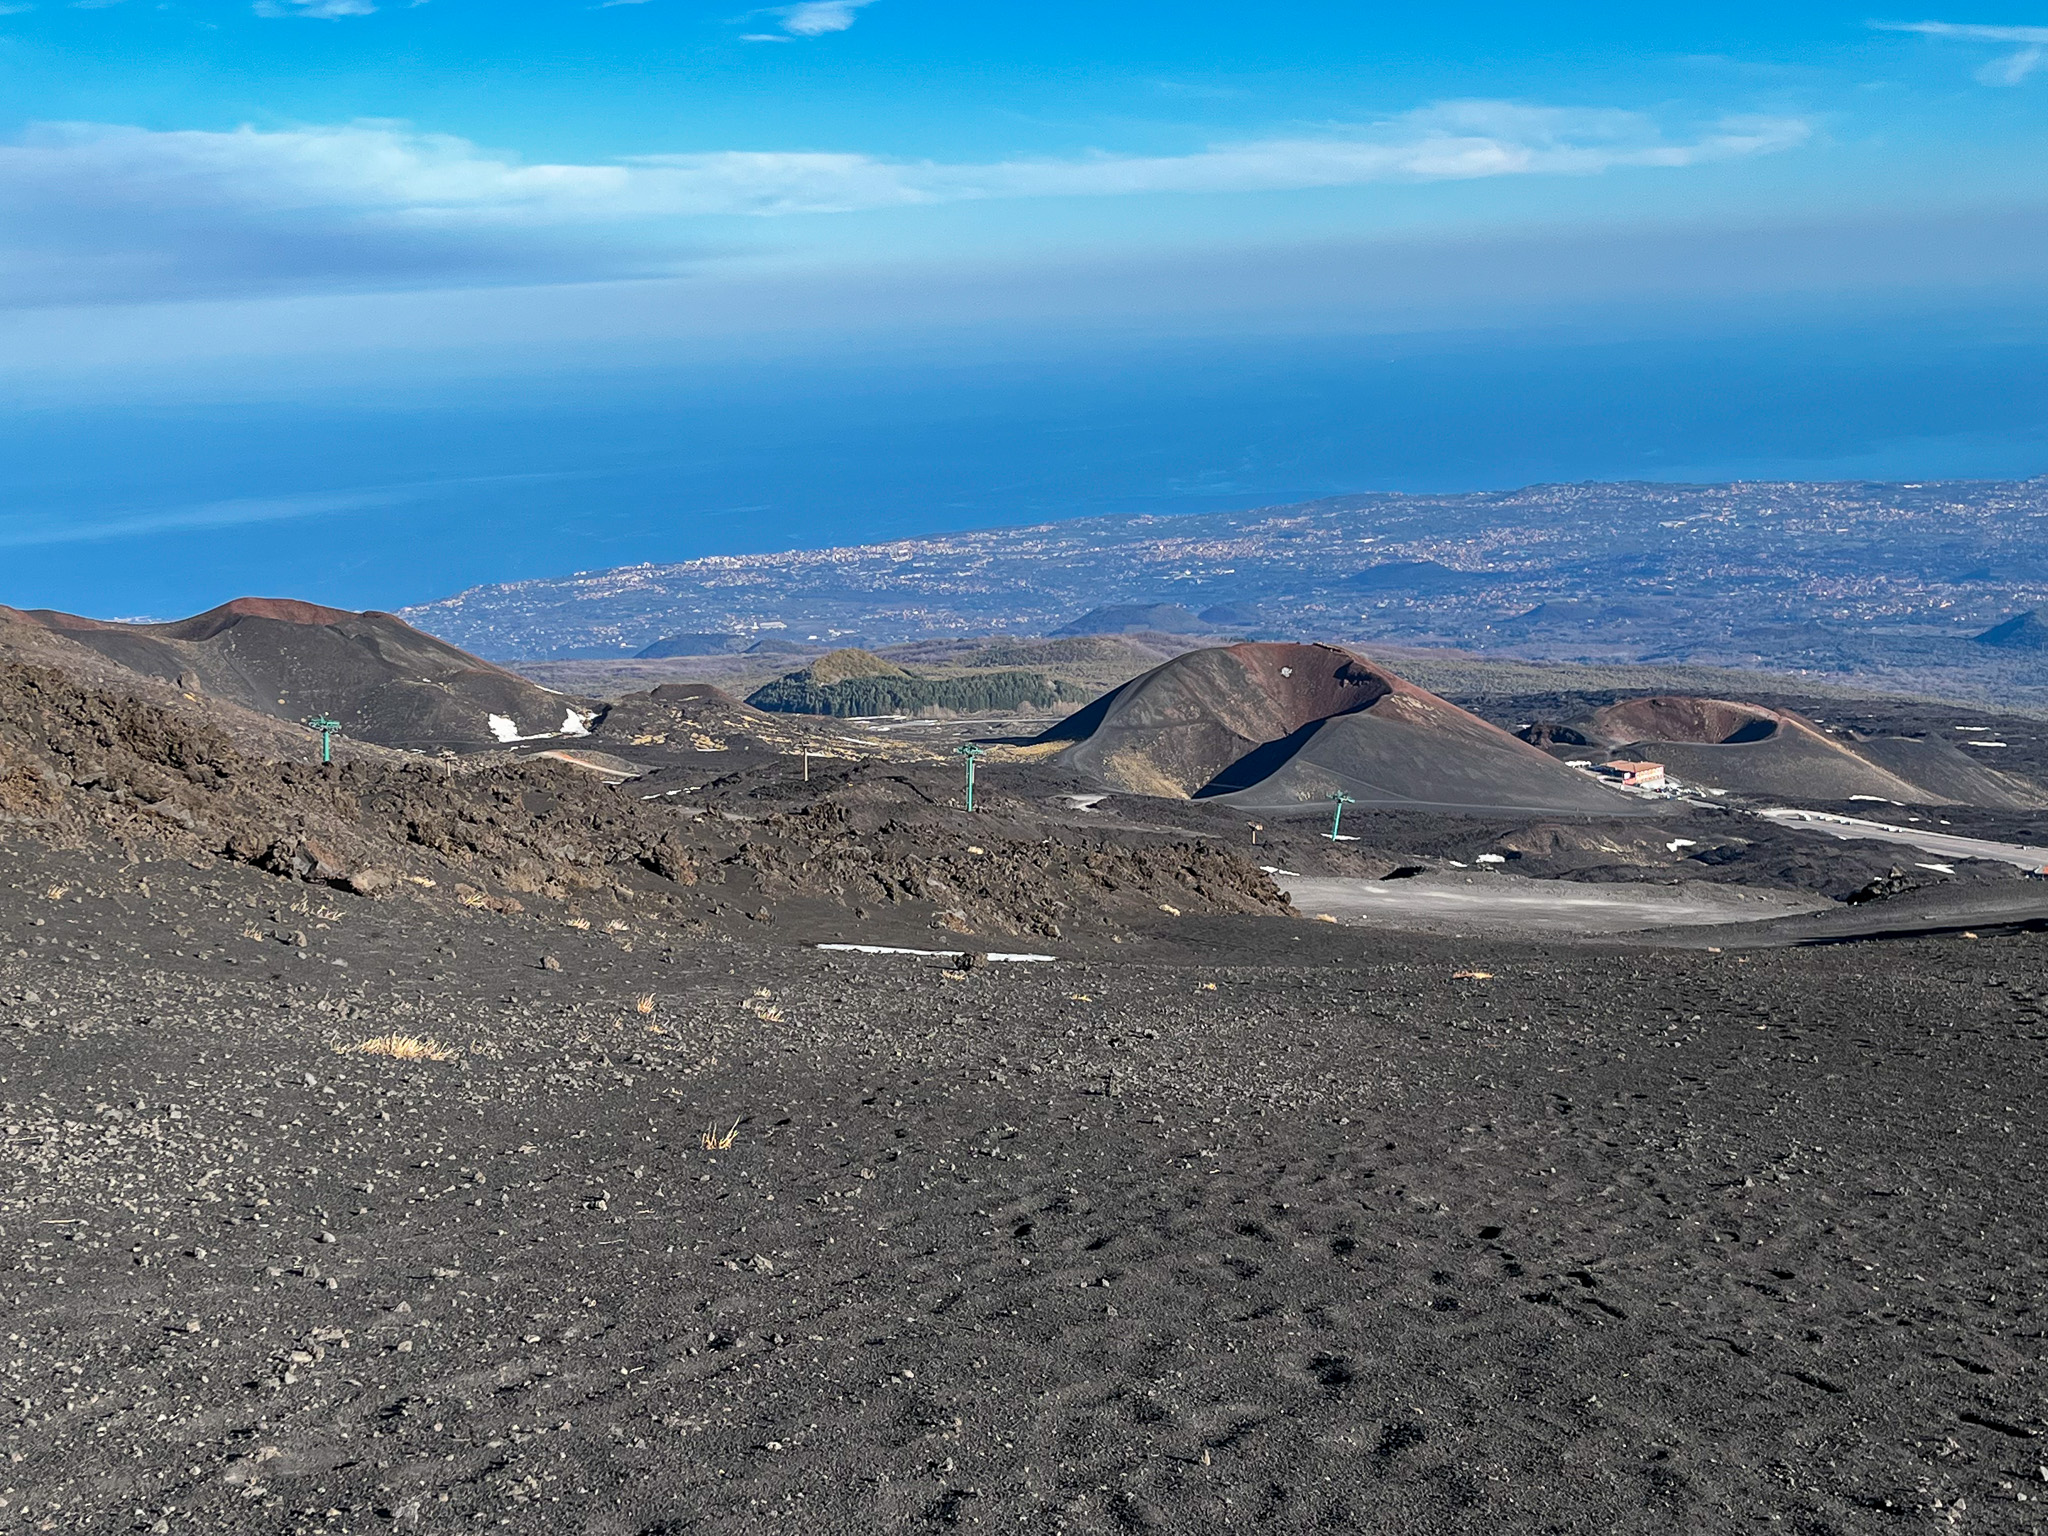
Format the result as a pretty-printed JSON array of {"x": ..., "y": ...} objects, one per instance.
[
  {"x": 1219, "y": 1218},
  {"x": 383, "y": 680},
  {"x": 1754, "y": 750},
  {"x": 1264, "y": 1225},
  {"x": 1272, "y": 726}
]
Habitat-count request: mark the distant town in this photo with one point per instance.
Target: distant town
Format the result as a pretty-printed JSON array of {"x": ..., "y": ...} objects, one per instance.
[{"x": 1902, "y": 582}]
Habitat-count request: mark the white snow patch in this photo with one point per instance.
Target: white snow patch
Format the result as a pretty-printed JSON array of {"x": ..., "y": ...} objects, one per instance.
[
  {"x": 932, "y": 954},
  {"x": 504, "y": 729},
  {"x": 576, "y": 723},
  {"x": 1491, "y": 858},
  {"x": 1679, "y": 842}
]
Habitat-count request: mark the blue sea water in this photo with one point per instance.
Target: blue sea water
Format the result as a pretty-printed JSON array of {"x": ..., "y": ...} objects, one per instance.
[{"x": 368, "y": 498}]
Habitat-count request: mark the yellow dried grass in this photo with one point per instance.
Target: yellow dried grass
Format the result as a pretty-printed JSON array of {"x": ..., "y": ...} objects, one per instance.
[{"x": 402, "y": 1048}]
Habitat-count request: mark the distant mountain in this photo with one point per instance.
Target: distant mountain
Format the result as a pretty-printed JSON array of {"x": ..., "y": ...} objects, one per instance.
[
  {"x": 1277, "y": 727},
  {"x": 2022, "y": 632},
  {"x": 1745, "y": 747},
  {"x": 382, "y": 679},
  {"x": 1136, "y": 618},
  {"x": 691, "y": 645}
]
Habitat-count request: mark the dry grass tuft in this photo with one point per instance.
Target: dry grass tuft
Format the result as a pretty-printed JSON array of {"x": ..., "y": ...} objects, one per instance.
[
  {"x": 618, "y": 925},
  {"x": 646, "y": 1004},
  {"x": 402, "y": 1048},
  {"x": 581, "y": 924},
  {"x": 714, "y": 1142}
]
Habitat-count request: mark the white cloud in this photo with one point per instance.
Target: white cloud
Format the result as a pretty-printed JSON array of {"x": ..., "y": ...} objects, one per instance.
[
  {"x": 814, "y": 18},
  {"x": 22, "y": 530},
  {"x": 319, "y": 10},
  {"x": 378, "y": 203},
  {"x": 2008, "y": 70}
]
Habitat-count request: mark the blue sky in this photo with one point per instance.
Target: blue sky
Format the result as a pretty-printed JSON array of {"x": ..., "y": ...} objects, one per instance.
[{"x": 366, "y": 301}]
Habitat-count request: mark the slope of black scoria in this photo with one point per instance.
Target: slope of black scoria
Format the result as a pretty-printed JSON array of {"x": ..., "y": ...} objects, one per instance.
[{"x": 383, "y": 680}]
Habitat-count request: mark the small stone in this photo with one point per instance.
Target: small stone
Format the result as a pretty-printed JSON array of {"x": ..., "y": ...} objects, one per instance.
[
  {"x": 550, "y": 963},
  {"x": 329, "y": 1237}
]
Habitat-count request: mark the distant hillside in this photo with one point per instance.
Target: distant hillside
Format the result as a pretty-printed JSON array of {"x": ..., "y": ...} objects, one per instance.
[
  {"x": 1279, "y": 727},
  {"x": 382, "y": 679},
  {"x": 1118, "y": 618},
  {"x": 853, "y": 682},
  {"x": 2022, "y": 632},
  {"x": 691, "y": 645},
  {"x": 846, "y": 665},
  {"x": 1891, "y": 582}
]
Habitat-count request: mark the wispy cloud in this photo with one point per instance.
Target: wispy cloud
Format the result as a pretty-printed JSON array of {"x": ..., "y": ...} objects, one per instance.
[
  {"x": 27, "y": 530},
  {"x": 318, "y": 10},
  {"x": 813, "y": 18},
  {"x": 101, "y": 207},
  {"x": 2010, "y": 69},
  {"x": 817, "y": 17}
]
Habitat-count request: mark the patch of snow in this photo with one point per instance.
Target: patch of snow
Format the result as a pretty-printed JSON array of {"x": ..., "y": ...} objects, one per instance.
[
  {"x": 1939, "y": 869},
  {"x": 504, "y": 729},
  {"x": 1679, "y": 842},
  {"x": 1491, "y": 858},
  {"x": 933, "y": 954},
  {"x": 1978, "y": 741},
  {"x": 576, "y": 723},
  {"x": 1270, "y": 870}
]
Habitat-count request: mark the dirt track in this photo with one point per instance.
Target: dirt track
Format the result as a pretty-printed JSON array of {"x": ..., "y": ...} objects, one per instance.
[{"x": 1595, "y": 1243}]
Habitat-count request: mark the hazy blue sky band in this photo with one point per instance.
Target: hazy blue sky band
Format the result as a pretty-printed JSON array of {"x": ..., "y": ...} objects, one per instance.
[
  {"x": 316, "y": 145},
  {"x": 581, "y": 279}
]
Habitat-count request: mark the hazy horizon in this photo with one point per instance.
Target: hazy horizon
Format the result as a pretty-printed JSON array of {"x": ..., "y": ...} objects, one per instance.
[{"x": 371, "y": 303}]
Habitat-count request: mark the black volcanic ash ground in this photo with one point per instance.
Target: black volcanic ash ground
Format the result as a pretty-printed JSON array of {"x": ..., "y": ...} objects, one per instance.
[{"x": 1267, "y": 1224}]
